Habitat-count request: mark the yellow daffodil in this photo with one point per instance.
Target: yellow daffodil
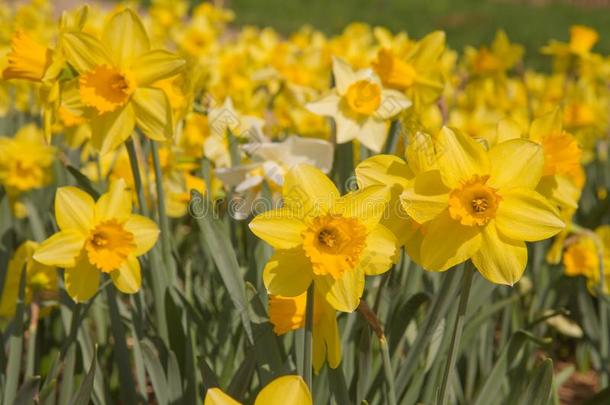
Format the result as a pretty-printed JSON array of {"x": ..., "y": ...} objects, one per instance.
[
  {"x": 360, "y": 106},
  {"x": 288, "y": 313},
  {"x": 97, "y": 237},
  {"x": 28, "y": 59},
  {"x": 582, "y": 258},
  {"x": 481, "y": 205},
  {"x": 502, "y": 56},
  {"x": 115, "y": 82},
  {"x": 324, "y": 238},
  {"x": 40, "y": 280},
  {"x": 289, "y": 389}
]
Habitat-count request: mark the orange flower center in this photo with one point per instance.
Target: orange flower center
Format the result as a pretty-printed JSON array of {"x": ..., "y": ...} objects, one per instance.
[
  {"x": 334, "y": 244},
  {"x": 106, "y": 88},
  {"x": 474, "y": 203},
  {"x": 394, "y": 72},
  {"x": 28, "y": 59},
  {"x": 363, "y": 97},
  {"x": 108, "y": 245}
]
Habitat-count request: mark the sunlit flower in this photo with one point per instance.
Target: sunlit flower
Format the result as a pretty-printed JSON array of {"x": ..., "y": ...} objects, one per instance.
[
  {"x": 582, "y": 257},
  {"x": 97, "y": 237},
  {"x": 481, "y": 205},
  {"x": 290, "y": 389},
  {"x": 323, "y": 238}
]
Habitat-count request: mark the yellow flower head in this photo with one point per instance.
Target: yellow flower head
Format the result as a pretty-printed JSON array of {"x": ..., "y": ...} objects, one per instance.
[
  {"x": 28, "y": 59},
  {"x": 288, "y": 313},
  {"x": 25, "y": 160},
  {"x": 582, "y": 258},
  {"x": 289, "y": 389},
  {"x": 116, "y": 81},
  {"x": 582, "y": 39},
  {"x": 481, "y": 205},
  {"x": 40, "y": 280},
  {"x": 394, "y": 72},
  {"x": 94, "y": 237},
  {"x": 322, "y": 237}
]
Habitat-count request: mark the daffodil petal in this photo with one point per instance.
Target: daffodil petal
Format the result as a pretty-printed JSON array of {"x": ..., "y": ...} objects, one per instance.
[
  {"x": 500, "y": 259},
  {"x": 280, "y": 228},
  {"x": 383, "y": 169},
  {"x": 145, "y": 232},
  {"x": 288, "y": 273},
  {"x": 367, "y": 204},
  {"x": 330, "y": 334},
  {"x": 508, "y": 130},
  {"x": 346, "y": 128},
  {"x": 307, "y": 191},
  {"x": 459, "y": 157},
  {"x": 74, "y": 209},
  {"x": 345, "y": 292},
  {"x": 290, "y": 389},
  {"x": 110, "y": 130},
  {"x": 127, "y": 278},
  {"x": 448, "y": 243},
  {"x": 156, "y": 65},
  {"x": 373, "y": 134},
  {"x": 115, "y": 204},
  {"x": 153, "y": 113},
  {"x": 545, "y": 125},
  {"x": 326, "y": 106},
  {"x": 516, "y": 163},
  {"x": 61, "y": 249},
  {"x": 524, "y": 214},
  {"x": 83, "y": 51},
  {"x": 392, "y": 103},
  {"x": 380, "y": 251},
  {"x": 81, "y": 281},
  {"x": 215, "y": 396},
  {"x": 343, "y": 74},
  {"x": 427, "y": 198},
  {"x": 318, "y": 348},
  {"x": 125, "y": 37}
]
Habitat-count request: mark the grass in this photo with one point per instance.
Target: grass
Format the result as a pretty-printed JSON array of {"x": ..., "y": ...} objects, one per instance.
[{"x": 471, "y": 22}]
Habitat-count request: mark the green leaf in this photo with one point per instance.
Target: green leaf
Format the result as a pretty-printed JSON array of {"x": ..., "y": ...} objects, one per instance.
[
  {"x": 15, "y": 347},
  {"x": 84, "y": 182},
  {"x": 27, "y": 392},
  {"x": 155, "y": 371},
  {"x": 539, "y": 389},
  {"x": 83, "y": 395},
  {"x": 219, "y": 245}
]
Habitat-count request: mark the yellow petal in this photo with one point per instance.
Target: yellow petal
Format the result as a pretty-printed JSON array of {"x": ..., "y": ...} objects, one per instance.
[
  {"x": 459, "y": 157},
  {"x": 74, "y": 209},
  {"x": 500, "y": 260},
  {"x": 343, "y": 75},
  {"x": 516, "y": 163},
  {"x": 560, "y": 190},
  {"x": 287, "y": 273},
  {"x": 330, "y": 334},
  {"x": 427, "y": 198},
  {"x": 318, "y": 348},
  {"x": 156, "y": 65},
  {"x": 448, "y": 243},
  {"x": 115, "y": 204},
  {"x": 507, "y": 130},
  {"x": 347, "y": 129},
  {"x": 420, "y": 152},
  {"x": 81, "y": 281},
  {"x": 308, "y": 191},
  {"x": 145, "y": 232},
  {"x": 110, "y": 130},
  {"x": 367, "y": 204},
  {"x": 61, "y": 249},
  {"x": 215, "y": 396},
  {"x": 127, "y": 277},
  {"x": 383, "y": 169},
  {"x": 343, "y": 293},
  {"x": 545, "y": 125},
  {"x": 290, "y": 389},
  {"x": 83, "y": 51},
  {"x": 280, "y": 228},
  {"x": 373, "y": 133},
  {"x": 125, "y": 37},
  {"x": 526, "y": 215},
  {"x": 153, "y": 113},
  {"x": 326, "y": 106},
  {"x": 392, "y": 103},
  {"x": 380, "y": 251}
]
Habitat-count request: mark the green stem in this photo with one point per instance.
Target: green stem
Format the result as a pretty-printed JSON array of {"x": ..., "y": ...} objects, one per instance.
[
  {"x": 457, "y": 332},
  {"x": 166, "y": 247},
  {"x": 603, "y": 319},
  {"x": 387, "y": 370},
  {"x": 308, "y": 337},
  {"x": 32, "y": 333},
  {"x": 159, "y": 282},
  {"x": 15, "y": 344}
]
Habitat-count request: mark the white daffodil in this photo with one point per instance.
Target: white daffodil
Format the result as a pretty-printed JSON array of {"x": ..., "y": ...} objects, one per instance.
[
  {"x": 271, "y": 160},
  {"x": 360, "y": 106}
]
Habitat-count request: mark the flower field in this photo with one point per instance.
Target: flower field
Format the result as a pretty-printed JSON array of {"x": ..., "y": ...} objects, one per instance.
[{"x": 194, "y": 211}]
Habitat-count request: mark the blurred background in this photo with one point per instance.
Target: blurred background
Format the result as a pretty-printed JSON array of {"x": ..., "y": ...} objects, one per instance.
[{"x": 472, "y": 22}]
